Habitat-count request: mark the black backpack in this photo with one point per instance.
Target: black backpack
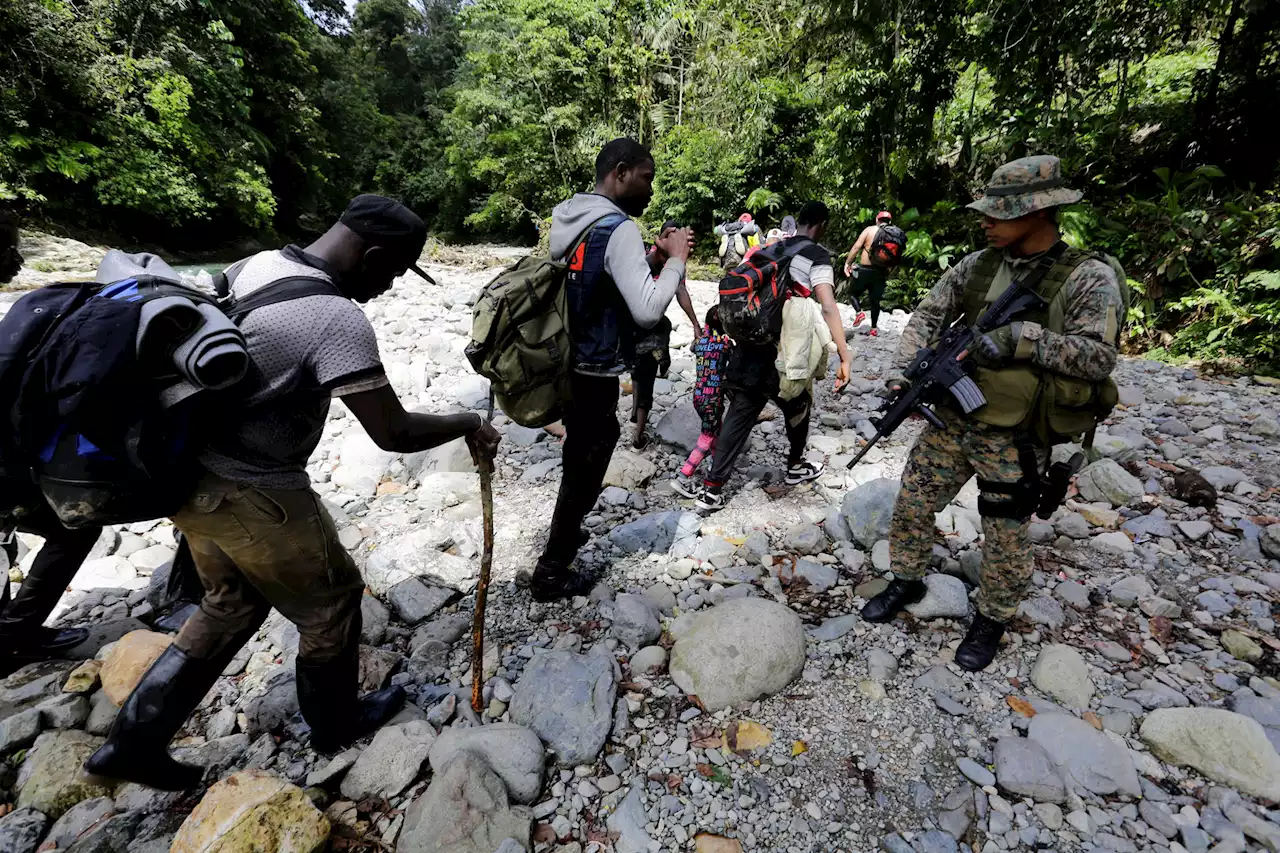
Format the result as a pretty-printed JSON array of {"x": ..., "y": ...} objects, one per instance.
[
  {"x": 84, "y": 426},
  {"x": 752, "y": 294},
  {"x": 887, "y": 247}
]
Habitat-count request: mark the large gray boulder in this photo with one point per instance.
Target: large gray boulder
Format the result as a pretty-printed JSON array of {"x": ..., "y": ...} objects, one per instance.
[
  {"x": 52, "y": 780},
  {"x": 1084, "y": 756},
  {"x": 1105, "y": 481},
  {"x": 417, "y": 555},
  {"x": 1061, "y": 673},
  {"x": 513, "y": 752},
  {"x": 268, "y": 709},
  {"x": 1024, "y": 768},
  {"x": 465, "y": 810},
  {"x": 867, "y": 510},
  {"x": 627, "y": 821},
  {"x": 635, "y": 620},
  {"x": 414, "y": 600},
  {"x": 1227, "y": 747},
  {"x": 680, "y": 426},
  {"x": 21, "y": 830},
  {"x": 946, "y": 599},
  {"x": 1269, "y": 541},
  {"x": 77, "y": 820},
  {"x": 654, "y": 533},
  {"x": 738, "y": 652},
  {"x": 568, "y": 699},
  {"x": 629, "y": 471},
  {"x": 391, "y": 762}
]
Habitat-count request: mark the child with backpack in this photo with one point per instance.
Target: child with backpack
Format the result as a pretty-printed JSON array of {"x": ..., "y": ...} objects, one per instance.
[
  {"x": 878, "y": 250},
  {"x": 751, "y": 312},
  {"x": 708, "y": 401}
]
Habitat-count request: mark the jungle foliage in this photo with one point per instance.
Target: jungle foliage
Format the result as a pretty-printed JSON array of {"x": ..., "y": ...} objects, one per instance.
[{"x": 196, "y": 121}]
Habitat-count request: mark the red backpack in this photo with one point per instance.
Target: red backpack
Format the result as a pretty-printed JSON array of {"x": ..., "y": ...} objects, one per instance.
[
  {"x": 887, "y": 247},
  {"x": 752, "y": 294}
]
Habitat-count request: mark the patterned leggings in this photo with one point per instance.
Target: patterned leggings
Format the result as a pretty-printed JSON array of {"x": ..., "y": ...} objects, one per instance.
[{"x": 706, "y": 444}]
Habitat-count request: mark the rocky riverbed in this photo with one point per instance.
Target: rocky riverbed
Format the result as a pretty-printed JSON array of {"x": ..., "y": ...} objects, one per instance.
[{"x": 718, "y": 692}]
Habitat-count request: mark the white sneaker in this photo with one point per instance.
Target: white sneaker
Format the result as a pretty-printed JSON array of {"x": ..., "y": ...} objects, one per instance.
[
  {"x": 711, "y": 499},
  {"x": 803, "y": 472},
  {"x": 688, "y": 487}
]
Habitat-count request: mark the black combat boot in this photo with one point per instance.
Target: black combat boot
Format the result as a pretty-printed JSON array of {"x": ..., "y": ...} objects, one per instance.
[
  {"x": 979, "y": 646},
  {"x": 327, "y": 697},
  {"x": 137, "y": 748},
  {"x": 897, "y": 595}
]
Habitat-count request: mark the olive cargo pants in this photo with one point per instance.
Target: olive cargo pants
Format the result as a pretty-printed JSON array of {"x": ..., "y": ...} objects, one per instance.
[{"x": 255, "y": 549}]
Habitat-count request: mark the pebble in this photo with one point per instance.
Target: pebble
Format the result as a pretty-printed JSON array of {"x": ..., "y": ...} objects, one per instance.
[{"x": 975, "y": 772}]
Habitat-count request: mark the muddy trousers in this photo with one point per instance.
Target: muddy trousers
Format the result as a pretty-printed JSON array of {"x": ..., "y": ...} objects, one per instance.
[
  {"x": 591, "y": 434},
  {"x": 255, "y": 549},
  {"x": 939, "y": 464},
  {"x": 51, "y": 571},
  {"x": 745, "y": 406}
]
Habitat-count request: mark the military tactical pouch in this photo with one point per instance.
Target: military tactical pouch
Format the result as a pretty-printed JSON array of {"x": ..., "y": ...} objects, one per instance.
[
  {"x": 1056, "y": 484},
  {"x": 1023, "y": 496}
]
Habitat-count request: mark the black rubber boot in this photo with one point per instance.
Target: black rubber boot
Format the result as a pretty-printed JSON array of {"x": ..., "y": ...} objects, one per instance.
[
  {"x": 137, "y": 748},
  {"x": 554, "y": 580},
  {"x": 979, "y": 646},
  {"x": 328, "y": 701},
  {"x": 897, "y": 595},
  {"x": 43, "y": 642},
  {"x": 551, "y": 584}
]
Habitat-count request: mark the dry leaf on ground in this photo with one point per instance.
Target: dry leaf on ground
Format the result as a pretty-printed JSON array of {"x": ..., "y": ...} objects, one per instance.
[
  {"x": 742, "y": 736},
  {"x": 705, "y": 842}
]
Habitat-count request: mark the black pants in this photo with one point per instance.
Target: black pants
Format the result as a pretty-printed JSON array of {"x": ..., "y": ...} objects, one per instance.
[
  {"x": 643, "y": 375},
  {"x": 871, "y": 281},
  {"x": 591, "y": 433},
  {"x": 745, "y": 406},
  {"x": 51, "y": 571}
]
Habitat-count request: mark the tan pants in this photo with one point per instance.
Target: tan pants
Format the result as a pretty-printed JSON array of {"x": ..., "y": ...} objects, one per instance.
[{"x": 255, "y": 549}]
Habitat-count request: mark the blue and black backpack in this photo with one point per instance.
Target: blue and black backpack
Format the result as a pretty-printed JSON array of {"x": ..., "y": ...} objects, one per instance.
[{"x": 85, "y": 425}]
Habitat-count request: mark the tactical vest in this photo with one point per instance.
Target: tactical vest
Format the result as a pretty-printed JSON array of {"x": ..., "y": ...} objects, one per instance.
[{"x": 1052, "y": 407}]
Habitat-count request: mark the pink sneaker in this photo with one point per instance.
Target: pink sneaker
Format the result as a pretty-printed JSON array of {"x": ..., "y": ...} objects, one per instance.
[
  {"x": 875, "y": 333},
  {"x": 862, "y": 315}
]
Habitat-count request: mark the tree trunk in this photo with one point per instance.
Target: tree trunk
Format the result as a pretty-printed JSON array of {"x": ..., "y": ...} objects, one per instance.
[{"x": 1207, "y": 110}]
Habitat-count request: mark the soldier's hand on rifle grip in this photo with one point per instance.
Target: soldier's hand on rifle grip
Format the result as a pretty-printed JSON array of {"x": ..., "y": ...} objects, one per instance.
[{"x": 893, "y": 385}]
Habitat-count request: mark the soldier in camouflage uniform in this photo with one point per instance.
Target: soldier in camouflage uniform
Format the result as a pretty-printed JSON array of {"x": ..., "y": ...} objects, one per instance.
[{"x": 1045, "y": 378}]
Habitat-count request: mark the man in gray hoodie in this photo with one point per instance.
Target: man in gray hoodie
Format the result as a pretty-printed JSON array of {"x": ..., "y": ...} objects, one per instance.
[{"x": 612, "y": 294}]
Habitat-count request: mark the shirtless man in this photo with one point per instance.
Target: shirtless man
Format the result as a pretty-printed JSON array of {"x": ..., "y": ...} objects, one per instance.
[{"x": 865, "y": 275}]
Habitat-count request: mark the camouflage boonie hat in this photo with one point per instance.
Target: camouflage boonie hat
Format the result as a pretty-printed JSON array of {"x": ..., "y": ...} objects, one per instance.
[{"x": 1024, "y": 186}]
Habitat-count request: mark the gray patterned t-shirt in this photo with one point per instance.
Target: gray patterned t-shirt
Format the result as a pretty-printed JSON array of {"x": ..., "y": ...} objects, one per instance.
[{"x": 305, "y": 352}]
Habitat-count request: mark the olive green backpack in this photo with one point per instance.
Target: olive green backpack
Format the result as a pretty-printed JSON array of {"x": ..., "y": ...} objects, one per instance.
[{"x": 520, "y": 338}]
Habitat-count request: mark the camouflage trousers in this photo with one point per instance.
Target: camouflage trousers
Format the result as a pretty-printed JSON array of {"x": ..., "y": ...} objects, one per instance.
[{"x": 940, "y": 463}]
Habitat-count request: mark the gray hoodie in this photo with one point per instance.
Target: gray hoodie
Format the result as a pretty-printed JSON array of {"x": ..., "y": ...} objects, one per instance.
[{"x": 624, "y": 259}]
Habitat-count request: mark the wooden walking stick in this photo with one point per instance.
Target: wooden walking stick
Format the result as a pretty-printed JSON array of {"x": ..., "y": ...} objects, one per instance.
[{"x": 485, "y": 465}]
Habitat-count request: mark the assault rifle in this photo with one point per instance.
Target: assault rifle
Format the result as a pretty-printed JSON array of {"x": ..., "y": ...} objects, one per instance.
[{"x": 941, "y": 374}]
